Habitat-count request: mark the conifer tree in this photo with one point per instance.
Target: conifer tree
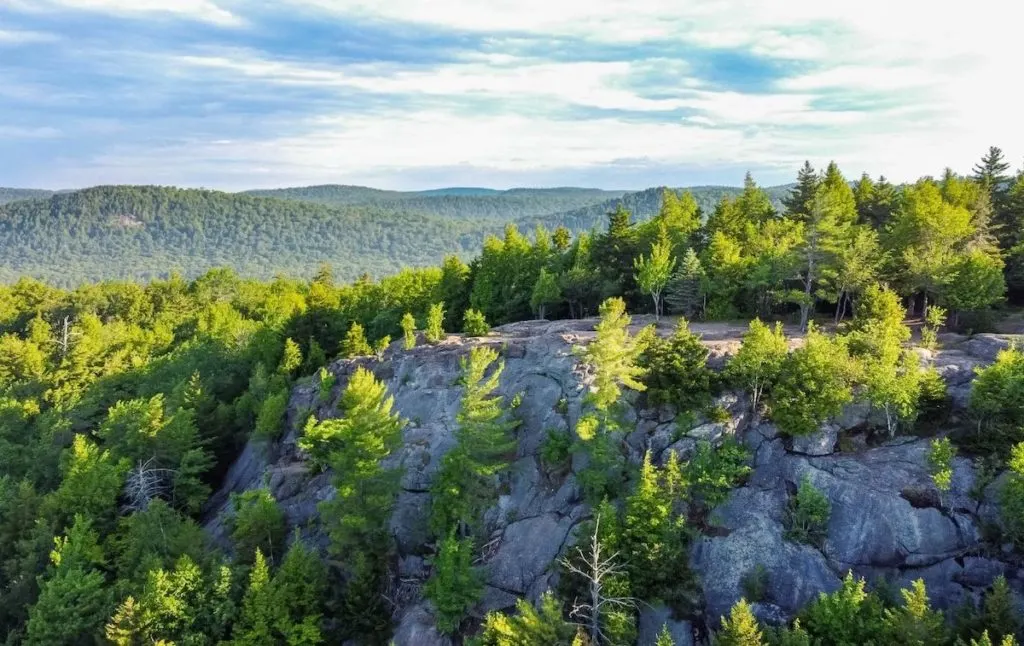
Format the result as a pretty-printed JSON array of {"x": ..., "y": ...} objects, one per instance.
[
  {"x": 291, "y": 358},
  {"x": 260, "y": 612},
  {"x": 355, "y": 344},
  {"x": 652, "y": 272},
  {"x": 813, "y": 385},
  {"x": 915, "y": 622},
  {"x": 561, "y": 238},
  {"x": 613, "y": 353},
  {"x": 434, "y": 332},
  {"x": 474, "y": 323},
  {"x": 258, "y": 524},
  {"x": 409, "y": 331},
  {"x": 545, "y": 293},
  {"x": 454, "y": 586},
  {"x": 664, "y": 637},
  {"x": 740, "y": 628},
  {"x": 801, "y": 196},
  {"x": 684, "y": 293},
  {"x": 540, "y": 626},
  {"x": 990, "y": 172},
  {"x": 864, "y": 195}
]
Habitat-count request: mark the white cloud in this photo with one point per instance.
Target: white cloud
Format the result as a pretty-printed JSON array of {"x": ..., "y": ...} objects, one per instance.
[
  {"x": 202, "y": 10},
  {"x": 21, "y": 37}
]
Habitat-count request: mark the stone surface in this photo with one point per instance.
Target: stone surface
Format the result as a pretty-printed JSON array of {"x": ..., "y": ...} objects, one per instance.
[
  {"x": 651, "y": 621},
  {"x": 887, "y": 520}
]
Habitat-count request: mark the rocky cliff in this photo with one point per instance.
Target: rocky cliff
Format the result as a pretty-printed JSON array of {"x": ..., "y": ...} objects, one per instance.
[{"x": 888, "y": 522}]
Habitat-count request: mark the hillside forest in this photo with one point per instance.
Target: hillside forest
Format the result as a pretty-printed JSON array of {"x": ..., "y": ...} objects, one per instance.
[{"x": 123, "y": 403}]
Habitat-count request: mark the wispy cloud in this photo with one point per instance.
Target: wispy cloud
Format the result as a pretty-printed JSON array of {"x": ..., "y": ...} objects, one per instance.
[{"x": 237, "y": 93}]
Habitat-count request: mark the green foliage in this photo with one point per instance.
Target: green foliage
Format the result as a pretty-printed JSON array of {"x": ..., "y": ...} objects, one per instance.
[
  {"x": 758, "y": 363},
  {"x": 325, "y": 385},
  {"x": 454, "y": 586},
  {"x": 676, "y": 370},
  {"x": 713, "y": 472},
  {"x": 813, "y": 385},
  {"x": 355, "y": 344},
  {"x": 291, "y": 358},
  {"x": 540, "y": 626},
  {"x": 653, "y": 272},
  {"x": 934, "y": 319},
  {"x": 465, "y": 485},
  {"x": 474, "y": 323},
  {"x": 1012, "y": 496},
  {"x": 652, "y": 542},
  {"x": 754, "y": 583},
  {"x": 545, "y": 293},
  {"x": 808, "y": 514},
  {"x": 73, "y": 601},
  {"x": 258, "y": 524},
  {"x": 556, "y": 449},
  {"x": 997, "y": 401},
  {"x": 614, "y": 354},
  {"x": 434, "y": 332},
  {"x": 684, "y": 291},
  {"x": 850, "y": 616},
  {"x": 739, "y": 628},
  {"x": 914, "y": 622},
  {"x": 285, "y": 609},
  {"x": 940, "y": 462},
  {"x": 270, "y": 420},
  {"x": 408, "y": 331}
]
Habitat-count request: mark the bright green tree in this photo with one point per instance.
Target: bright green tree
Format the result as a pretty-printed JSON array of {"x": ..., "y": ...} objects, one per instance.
[
  {"x": 474, "y": 323},
  {"x": 653, "y": 272},
  {"x": 758, "y": 363},
  {"x": 739, "y": 628},
  {"x": 408, "y": 331},
  {"x": 850, "y": 616},
  {"x": 454, "y": 586},
  {"x": 540, "y": 626},
  {"x": 258, "y": 524},
  {"x": 914, "y": 623},
  {"x": 940, "y": 462},
  {"x": 813, "y": 385},
  {"x": 355, "y": 344},
  {"x": 434, "y": 332},
  {"x": 677, "y": 370},
  {"x": 614, "y": 354},
  {"x": 545, "y": 293},
  {"x": 1012, "y": 496},
  {"x": 808, "y": 514},
  {"x": 291, "y": 358}
]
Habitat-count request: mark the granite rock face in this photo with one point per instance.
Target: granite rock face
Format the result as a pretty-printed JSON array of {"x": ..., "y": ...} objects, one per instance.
[{"x": 887, "y": 520}]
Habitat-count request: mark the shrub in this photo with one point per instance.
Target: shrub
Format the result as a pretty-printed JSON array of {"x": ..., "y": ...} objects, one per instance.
[
  {"x": 940, "y": 462},
  {"x": 754, "y": 583},
  {"x": 1013, "y": 497},
  {"x": 454, "y": 586},
  {"x": 677, "y": 370},
  {"x": 712, "y": 473},
  {"x": 474, "y": 323},
  {"x": 271, "y": 416},
  {"x": 327, "y": 381},
  {"x": 555, "y": 450},
  {"x": 409, "y": 331},
  {"x": 355, "y": 344},
  {"x": 758, "y": 362},
  {"x": 807, "y": 517},
  {"x": 381, "y": 346}
]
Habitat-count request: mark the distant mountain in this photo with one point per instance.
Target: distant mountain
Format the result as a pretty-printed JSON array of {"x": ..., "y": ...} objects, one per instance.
[
  {"x": 15, "y": 194},
  {"x": 144, "y": 232},
  {"x": 457, "y": 203}
]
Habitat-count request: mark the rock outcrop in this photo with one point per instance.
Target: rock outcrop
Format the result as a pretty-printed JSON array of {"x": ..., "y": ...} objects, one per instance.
[{"x": 887, "y": 520}]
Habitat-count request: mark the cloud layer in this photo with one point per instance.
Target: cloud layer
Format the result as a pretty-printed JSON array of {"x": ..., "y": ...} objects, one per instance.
[{"x": 411, "y": 94}]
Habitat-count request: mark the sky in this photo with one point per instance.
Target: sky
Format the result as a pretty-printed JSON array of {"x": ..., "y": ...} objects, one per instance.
[{"x": 414, "y": 94}]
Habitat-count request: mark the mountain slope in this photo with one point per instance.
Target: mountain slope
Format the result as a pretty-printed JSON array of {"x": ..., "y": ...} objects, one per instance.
[
  {"x": 15, "y": 194},
  {"x": 147, "y": 231},
  {"x": 458, "y": 203}
]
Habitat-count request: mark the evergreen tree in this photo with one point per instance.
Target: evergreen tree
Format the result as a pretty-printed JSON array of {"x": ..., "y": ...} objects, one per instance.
[
  {"x": 915, "y": 623},
  {"x": 474, "y": 323},
  {"x": 434, "y": 332},
  {"x": 258, "y": 524},
  {"x": 653, "y": 272},
  {"x": 813, "y": 385},
  {"x": 801, "y": 196},
  {"x": 990, "y": 172},
  {"x": 409, "y": 331},
  {"x": 291, "y": 358},
  {"x": 260, "y": 612},
  {"x": 864, "y": 195},
  {"x": 613, "y": 353},
  {"x": 683, "y": 293},
  {"x": 850, "y": 616},
  {"x": 454, "y": 586},
  {"x": 545, "y": 293},
  {"x": 355, "y": 344},
  {"x": 561, "y": 238},
  {"x": 543, "y": 626},
  {"x": 940, "y": 462},
  {"x": 73, "y": 600},
  {"x": 740, "y": 628}
]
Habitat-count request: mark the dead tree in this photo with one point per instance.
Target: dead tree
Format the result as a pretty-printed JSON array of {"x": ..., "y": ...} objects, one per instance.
[
  {"x": 144, "y": 483},
  {"x": 596, "y": 569}
]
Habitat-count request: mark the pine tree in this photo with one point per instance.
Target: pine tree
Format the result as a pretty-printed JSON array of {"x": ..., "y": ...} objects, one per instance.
[
  {"x": 434, "y": 332},
  {"x": 864, "y": 195},
  {"x": 541, "y": 626},
  {"x": 545, "y": 293},
  {"x": 664, "y": 637},
  {"x": 474, "y": 323},
  {"x": 354, "y": 447},
  {"x": 915, "y": 623},
  {"x": 409, "y": 331},
  {"x": 355, "y": 344},
  {"x": 454, "y": 586},
  {"x": 258, "y": 524},
  {"x": 291, "y": 358},
  {"x": 683, "y": 292},
  {"x": 653, "y": 272},
  {"x": 613, "y": 353},
  {"x": 299, "y": 587},
  {"x": 798, "y": 204},
  {"x": 562, "y": 238},
  {"x": 990, "y": 172},
  {"x": 940, "y": 462},
  {"x": 740, "y": 628},
  {"x": 260, "y": 612}
]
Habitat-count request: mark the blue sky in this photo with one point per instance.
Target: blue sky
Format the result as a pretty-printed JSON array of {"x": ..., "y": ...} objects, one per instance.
[{"x": 412, "y": 94}]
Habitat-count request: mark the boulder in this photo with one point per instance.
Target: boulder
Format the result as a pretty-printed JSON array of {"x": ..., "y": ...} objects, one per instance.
[
  {"x": 651, "y": 621},
  {"x": 416, "y": 628},
  {"x": 816, "y": 444}
]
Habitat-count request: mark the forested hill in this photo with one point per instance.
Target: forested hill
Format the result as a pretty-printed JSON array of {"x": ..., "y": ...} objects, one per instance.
[
  {"x": 15, "y": 194},
  {"x": 142, "y": 232},
  {"x": 645, "y": 204},
  {"x": 458, "y": 203}
]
